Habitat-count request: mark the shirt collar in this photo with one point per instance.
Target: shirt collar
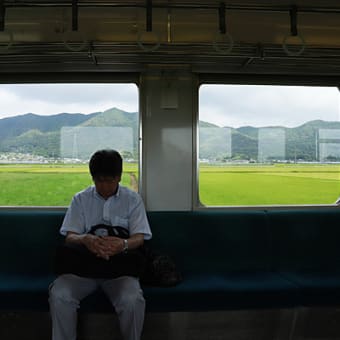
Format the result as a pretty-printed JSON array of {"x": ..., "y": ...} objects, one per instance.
[
  {"x": 116, "y": 195},
  {"x": 118, "y": 192}
]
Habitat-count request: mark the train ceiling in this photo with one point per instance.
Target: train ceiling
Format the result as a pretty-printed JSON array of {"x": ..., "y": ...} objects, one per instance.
[{"x": 210, "y": 36}]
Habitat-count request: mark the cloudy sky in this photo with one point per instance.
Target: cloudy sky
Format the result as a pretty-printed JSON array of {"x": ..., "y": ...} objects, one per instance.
[
  {"x": 224, "y": 105},
  {"x": 290, "y": 106},
  {"x": 47, "y": 99}
]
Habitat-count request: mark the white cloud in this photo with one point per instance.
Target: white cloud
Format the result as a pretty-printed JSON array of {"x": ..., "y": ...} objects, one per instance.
[
  {"x": 224, "y": 105},
  {"x": 47, "y": 99},
  {"x": 240, "y": 105}
]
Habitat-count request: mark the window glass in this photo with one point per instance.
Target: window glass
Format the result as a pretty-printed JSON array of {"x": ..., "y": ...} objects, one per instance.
[
  {"x": 49, "y": 131},
  {"x": 268, "y": 145}
]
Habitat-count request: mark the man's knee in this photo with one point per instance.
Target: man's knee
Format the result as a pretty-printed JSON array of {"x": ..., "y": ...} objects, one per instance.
[
  {"x": 61, "y": 291},
  {"x": 131, "y": 300}
]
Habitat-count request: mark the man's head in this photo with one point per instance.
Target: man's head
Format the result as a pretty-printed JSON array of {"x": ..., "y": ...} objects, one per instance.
[{"x": 106, "y": 168}]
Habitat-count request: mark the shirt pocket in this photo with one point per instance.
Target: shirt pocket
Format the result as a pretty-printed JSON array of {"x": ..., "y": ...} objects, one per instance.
[{"x": 120, "y": 221}]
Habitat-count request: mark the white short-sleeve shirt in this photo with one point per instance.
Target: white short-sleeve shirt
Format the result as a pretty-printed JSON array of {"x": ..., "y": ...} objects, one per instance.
[{"x": 124, "y": 209}]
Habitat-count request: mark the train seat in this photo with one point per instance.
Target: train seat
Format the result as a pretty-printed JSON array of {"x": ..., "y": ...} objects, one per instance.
[
  {"x": 225, "y": 261},
  {"x": 307, "y": 252},
  {"x": 229, "y": 259}
]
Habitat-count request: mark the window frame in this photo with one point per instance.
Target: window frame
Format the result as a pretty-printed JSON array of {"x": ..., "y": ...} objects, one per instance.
[
  {"x": 251, "y": 79},
  {"x": 77, "y": 78}
]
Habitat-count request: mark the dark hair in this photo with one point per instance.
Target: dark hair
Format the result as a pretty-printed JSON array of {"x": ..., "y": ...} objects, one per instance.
[{"x": 106, "y": 163}]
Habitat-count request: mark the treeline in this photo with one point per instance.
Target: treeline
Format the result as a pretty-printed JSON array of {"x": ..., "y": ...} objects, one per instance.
[
  {"x": 277, "y": 143},
  {"x": 42, "y": 136},
  {"x": 45, "y": 135}
]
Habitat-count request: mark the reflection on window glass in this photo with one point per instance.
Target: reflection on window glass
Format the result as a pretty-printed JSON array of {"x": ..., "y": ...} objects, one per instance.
[
  {"x": 268, "y": 145},
  {"x": 48, "y": 132},
  {"x": 271, "y": 145},
  {"x": 79, "y": 143},
  {"x": 328, "y": 143}
]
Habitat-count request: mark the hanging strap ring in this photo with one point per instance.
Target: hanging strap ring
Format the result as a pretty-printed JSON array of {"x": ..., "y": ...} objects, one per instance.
[
  {"x": 70, "y": 41},
  {"x": 292, "y": 52},
  {"x": 6, "y": 45},
  {"x": 226, "y": 45},
  {"x": 148, "y": 47}
]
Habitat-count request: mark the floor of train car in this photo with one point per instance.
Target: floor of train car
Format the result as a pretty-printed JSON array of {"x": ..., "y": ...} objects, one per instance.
[{"x": 312, "y": 324}]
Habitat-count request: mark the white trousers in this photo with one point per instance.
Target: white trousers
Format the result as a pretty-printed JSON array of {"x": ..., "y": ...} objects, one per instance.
[{"x": 68, "y": 290}]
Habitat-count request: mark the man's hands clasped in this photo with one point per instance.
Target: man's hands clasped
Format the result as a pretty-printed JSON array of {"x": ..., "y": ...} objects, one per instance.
[{"x": 104, "y": 246}]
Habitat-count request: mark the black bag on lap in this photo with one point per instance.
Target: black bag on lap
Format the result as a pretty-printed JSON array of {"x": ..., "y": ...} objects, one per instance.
[
  {"x": 76, "y": 259},
  {"x": 152, "y": 268}
]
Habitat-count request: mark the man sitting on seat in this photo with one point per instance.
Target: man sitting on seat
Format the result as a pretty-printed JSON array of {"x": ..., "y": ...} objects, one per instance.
[{"x": 111, "y": 204}]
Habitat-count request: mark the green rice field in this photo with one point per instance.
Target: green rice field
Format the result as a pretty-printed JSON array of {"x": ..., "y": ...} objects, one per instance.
[
  {"x": 54, "y": 185},
  {"x": 49, "y": 185},
  {"x": 269, "y": 184}
]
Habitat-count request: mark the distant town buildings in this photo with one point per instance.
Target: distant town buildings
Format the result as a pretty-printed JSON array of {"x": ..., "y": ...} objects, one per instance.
[{"x": 25, "y": 158}]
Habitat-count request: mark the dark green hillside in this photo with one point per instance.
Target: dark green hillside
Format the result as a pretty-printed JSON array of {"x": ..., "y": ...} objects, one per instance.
[
  {"x": 118, "y": 118},
  {"x": 300, "y": 142},
  {"x": 34, "y": 142},
  {"x": 203, "y": 124},
  {"x": 113, "y": 117},
  {"x": 16, "y": 126},
  {"x": 41, "y": 135},
  {"x": 243, "y": 146},
  {"x": 249, "y": 131}
]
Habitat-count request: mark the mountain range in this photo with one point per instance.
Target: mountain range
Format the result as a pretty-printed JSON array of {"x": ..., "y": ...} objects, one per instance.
[
  {"x": 73, "y": 135},
  {"x": 76, "y": 135}
]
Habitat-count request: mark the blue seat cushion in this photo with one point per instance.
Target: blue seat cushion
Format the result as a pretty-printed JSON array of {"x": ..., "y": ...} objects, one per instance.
[
  {"x": 228, "y": 291},
  {"x": 212, "y": 242},
  {"x": 305, "y": 240},
  {"x": 212, "y": 292},
  {"x": 24, "y": 292},
  {"x": 28, "y": 241},
  {"x": 316, "y": 288}
]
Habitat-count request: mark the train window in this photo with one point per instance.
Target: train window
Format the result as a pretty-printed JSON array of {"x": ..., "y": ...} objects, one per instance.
[
  {"x": 49, "y": 131},
  {"x": 268, "y": 145}
]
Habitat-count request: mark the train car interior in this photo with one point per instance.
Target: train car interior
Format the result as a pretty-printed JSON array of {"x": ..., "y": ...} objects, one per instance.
[{"x": 239, "y": 183}]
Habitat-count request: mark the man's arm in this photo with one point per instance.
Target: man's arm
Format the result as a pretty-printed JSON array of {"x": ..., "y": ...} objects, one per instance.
[
  {"x": 115, "y": 245},
  {"x": 92, "y": 242},
  {"x": 136, "y": 241},
  {"x": 105, "y": 246}
]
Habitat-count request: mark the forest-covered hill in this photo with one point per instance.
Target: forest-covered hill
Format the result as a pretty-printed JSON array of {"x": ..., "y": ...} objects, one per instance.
[{"x": 46, "y": 136}]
